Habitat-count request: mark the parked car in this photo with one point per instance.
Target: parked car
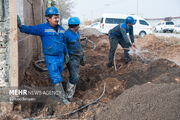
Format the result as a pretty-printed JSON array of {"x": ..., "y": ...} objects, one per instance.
[
  {"x": 108, "y": 21},
  {"x": 164, "y": 26},
  {"x": 177, "y": 29}
]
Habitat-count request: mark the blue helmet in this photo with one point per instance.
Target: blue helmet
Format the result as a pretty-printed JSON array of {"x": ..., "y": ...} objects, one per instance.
[
  {"x": 74, "y": 21},
  {"x": 130, "y": 20},
  {"x": 51, "y": 11}
]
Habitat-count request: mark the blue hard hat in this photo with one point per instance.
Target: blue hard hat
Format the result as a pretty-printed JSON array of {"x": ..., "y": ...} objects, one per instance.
[
  {"x": 51, "y": 11},
  {"x": 130, "y": 20},
  {"x": 74, "y": 21}
]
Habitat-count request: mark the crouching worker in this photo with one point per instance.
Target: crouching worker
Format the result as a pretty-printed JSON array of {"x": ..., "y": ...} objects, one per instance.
[
  {"x": 54, "y": 47},
  {"x": 118, "y": 35},
  {"x": 76, "y": 55}
]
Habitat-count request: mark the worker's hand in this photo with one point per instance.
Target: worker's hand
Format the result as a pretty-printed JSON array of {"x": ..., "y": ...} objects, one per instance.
[
  {"x": 66, "y": 59},
  {"x": 18, "y": 21},
  {"x": 134, "y": 45},
  {"x": 83, "y": 61}
]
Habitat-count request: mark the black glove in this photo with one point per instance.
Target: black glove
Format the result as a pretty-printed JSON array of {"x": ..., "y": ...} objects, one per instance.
[
  {"x": 83, "y": 61},
  {"x": 66, "y": 59},
  {"x": 18, "y": 21}
]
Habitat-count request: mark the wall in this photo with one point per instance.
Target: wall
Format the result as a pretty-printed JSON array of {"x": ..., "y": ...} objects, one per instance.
[
  {"x": 31, "y": 13},
  {"x": 17, "y": 50}
]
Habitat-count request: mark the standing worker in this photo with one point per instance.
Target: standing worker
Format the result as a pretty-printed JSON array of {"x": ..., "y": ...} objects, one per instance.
[
  {"x": 119, "y": 35},
  {"x": 76, "y": 54},
  {"x": 54, "y": 47}
]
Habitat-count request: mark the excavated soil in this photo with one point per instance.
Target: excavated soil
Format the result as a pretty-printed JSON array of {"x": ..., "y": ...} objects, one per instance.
[
  {"x": 145, "y": 102},
  {"x": 122, "y": 86}
]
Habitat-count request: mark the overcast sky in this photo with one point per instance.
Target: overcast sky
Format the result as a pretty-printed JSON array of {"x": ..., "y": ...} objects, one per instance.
[{"x": 91, "y": 9}]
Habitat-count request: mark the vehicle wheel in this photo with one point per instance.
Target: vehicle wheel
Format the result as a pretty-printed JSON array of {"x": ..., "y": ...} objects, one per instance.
[{"x": 142, "y": 34}]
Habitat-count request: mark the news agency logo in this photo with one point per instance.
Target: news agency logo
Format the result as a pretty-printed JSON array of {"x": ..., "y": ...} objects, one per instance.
[
  {"x": 18, "y": 92},
  {"x": 24, "y": 92},
  {"x": 29, "y": 94}
]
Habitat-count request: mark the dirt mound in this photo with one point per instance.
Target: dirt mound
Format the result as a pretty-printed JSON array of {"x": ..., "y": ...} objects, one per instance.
[
  {"x": 145, "y": 102},
  {"x": 160, "y": 71},
  {"x": 90, "y": 32},
  {"x": 150, "y": 42},
  {"x": 161, "y": 47}
]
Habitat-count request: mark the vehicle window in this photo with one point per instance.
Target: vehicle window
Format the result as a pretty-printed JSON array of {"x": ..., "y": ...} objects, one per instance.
[
  {"x": 114, "y": 20},
  {"x": 169, "y": 23},
  {"x": 142, "y": 22},
  {"x": 101, "y": 20},
  {"x": 159, "y": 24}
]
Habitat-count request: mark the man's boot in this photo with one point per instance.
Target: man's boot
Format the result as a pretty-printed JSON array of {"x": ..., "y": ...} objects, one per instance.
[
  {"x": 70, "y": 90},
  {"x": 62, "y": 94}
]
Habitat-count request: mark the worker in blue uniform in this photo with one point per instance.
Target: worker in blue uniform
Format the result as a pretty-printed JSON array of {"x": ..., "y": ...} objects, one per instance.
[
  {"x": 118, "y": 35},
  {"x": 76, "y": 54},
  {"x": 54, "y": 46}
]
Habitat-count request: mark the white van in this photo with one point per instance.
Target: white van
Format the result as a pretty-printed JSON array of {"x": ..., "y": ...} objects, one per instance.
[{"x": 109, "y": 21}]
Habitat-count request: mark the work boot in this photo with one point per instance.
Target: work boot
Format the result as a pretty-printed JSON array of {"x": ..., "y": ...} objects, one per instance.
[
  {"x": 62, "y": 95},
  {"x": 70, "y": 90}
]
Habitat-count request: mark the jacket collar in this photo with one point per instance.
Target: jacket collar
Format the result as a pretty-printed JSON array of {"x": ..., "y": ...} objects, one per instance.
[{"x": 73, "y": 31}]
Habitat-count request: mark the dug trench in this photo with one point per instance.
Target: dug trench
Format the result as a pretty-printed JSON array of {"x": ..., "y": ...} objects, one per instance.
[{"x": 92, "y": 79}]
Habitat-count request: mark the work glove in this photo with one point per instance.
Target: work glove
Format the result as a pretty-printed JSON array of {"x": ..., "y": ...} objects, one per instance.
[
  {"x": 83, "y": 61},
  {"x": 66, "y": 59},
  {"x": 18, "y": 21}
]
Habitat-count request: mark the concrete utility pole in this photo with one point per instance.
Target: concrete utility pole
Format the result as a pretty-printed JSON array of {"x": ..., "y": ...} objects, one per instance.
[
  {"x": 13, "y": 53},
  {"x": 8, "y": 44}
]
